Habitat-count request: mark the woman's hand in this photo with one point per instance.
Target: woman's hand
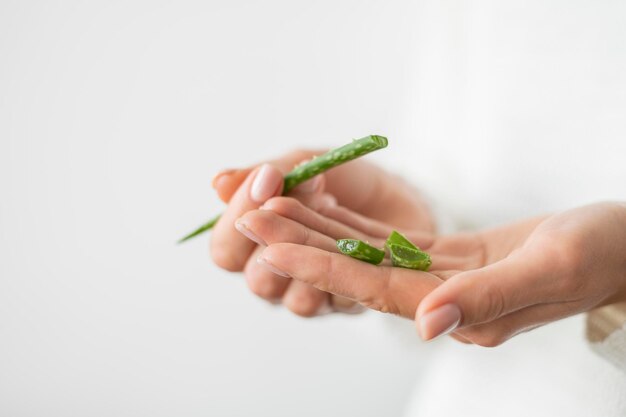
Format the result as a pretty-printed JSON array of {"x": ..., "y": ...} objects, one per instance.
[
  {"x": 535, "y": 272},
  {"x": 487, "y": 287},
  {"x": 382, "y": 197}
]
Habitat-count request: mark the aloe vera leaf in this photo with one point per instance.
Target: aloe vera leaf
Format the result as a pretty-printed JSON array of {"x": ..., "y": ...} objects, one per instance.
[
  {"x": 332, "y": 159},
  {"x": 207, "y": 226},
  {"x": 316, "y": 166}
]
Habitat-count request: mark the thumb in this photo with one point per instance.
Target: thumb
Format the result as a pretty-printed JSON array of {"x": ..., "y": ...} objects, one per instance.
[
  {"x": 226, "y": 182},
  {"x": 482, "y": 295}
]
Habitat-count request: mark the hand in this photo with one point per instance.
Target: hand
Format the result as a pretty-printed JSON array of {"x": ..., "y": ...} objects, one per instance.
[
  {"x": 535, "y": 272},
  {"x": 381, "y": 197},
  {"x": 487, "y": 286}
]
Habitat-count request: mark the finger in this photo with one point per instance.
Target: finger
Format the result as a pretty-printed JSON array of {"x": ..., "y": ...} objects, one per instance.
[
  {"x": 263, "y": 282},
  {"x": 374, "y": 227},
  {"x": 459, "y": 338},
  {"x": 267, "y": 227},
  {"x": 500, "y": 330},
  {"x": 485, "y": 294},
  {"x": 295, "y": 210},
  {"x": 444, "y": 262},
  {"x": 315, "y": 201},
  {"x": 460, "y": 251},
  {"x": 298, "y": 211},
  {"x": 345, "y": 305},
  {"x": 311, "y": 193},
  {"x": 386, "y": 289},
  {"x": 357, "y": 221},
  {"x": 229, "y": 248},
  {"x": 305, "y": 300},
  {"x": 271, "y": 286},
  {"x": 227, "y": 182}
]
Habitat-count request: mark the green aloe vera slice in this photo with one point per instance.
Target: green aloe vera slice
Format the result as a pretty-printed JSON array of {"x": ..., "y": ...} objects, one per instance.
[
  {"x": 406, "y": 257},
  {"x": 360, "y": 250}
]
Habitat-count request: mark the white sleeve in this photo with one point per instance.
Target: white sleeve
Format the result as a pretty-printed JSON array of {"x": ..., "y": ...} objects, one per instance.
[{"x": 606, "y": 332}]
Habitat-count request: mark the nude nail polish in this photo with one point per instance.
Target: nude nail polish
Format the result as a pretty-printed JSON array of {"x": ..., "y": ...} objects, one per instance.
[
  {"x": 261, "y": 260},
  {"x": 244, "y": 230},
  {"x": 440, "y": 321},
  {"x": 265, "y": 184}
]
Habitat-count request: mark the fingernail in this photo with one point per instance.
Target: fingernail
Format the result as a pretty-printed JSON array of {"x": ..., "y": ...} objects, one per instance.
[
  {"x": 218, "y": 183},
  {"x": 310, "y": 186},
  {"x": 220, "y": 176},
  {"x": 439, "y": 321},
  {"x": 244, "y": 230},
  {"x": 329, "y": 200},
  {"x": 261, "y": 260},
  {"x": 264, "y": 185}
]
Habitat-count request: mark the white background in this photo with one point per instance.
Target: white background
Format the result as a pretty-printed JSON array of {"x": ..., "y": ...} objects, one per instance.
[{"x": 113, "y": 117}]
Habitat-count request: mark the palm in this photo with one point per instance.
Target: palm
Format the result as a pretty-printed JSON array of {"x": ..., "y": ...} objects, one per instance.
[{"x": 466, "y": 251}]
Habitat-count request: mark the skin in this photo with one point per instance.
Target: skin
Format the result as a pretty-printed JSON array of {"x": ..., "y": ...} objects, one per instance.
[
  {"x": 504, "y": 281},
  {"x": 341, "y": 194}
]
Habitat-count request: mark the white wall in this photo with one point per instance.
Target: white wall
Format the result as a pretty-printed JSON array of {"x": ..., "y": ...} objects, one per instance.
[{"x": 113, "y": 117}]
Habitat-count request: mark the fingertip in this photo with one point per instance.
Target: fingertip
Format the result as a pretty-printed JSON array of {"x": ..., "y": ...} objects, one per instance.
[
  {"x": 228, "y": 181},
  {"x": 222, "y": 175},
  {"x": 447, "y": 292},
  {"x": 439, "y": 321},
  {"x": 270, "y": 259},
  {"x": 271, "y": 253}
]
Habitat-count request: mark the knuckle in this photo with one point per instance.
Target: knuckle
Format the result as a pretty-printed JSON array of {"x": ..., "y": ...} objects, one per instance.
[
  {"x": 564, "y": 253},
  {"x": 496, "y": 303},
  {"x": 380, "y": 300}
]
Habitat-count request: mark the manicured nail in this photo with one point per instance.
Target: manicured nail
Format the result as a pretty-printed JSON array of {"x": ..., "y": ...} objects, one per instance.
[
  {"x": 310, "y": 186},
  {"x": 220, "y": 176},
  {"x": 439, "y": 321},
  {"x": 261, "y": 260},
  {"x": 265, "y": 184},
  {"x": 244, "y": 230}
]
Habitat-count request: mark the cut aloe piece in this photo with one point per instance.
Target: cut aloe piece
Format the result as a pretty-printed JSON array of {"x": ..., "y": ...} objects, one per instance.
[
  {"x": 407, "y": 257},
  {"x": 360, "y": 250},
  {"x": 397, "y": 238}
]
